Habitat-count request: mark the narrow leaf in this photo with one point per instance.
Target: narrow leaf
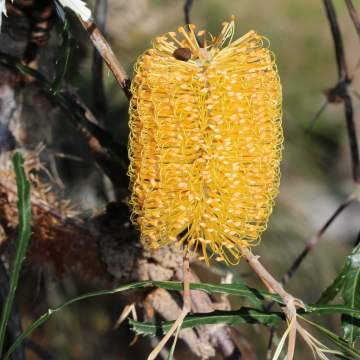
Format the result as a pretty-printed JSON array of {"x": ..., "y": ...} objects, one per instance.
[
  {"x": 62, "y": 59},
  {"x": 236, "y": 279},
  {"x": 349, "y": 352},
  {"x": 242, "y": 316},
  {"x": 43, "y": 318},
  {"x": 329, "y": 310},
  {"x": 171, "y": 353},
  {"x": 334, "y": 288},
  {"x": 230, "y": 289},
  {"x": 351, "y": 295},
  {"x": 22, "y": 242}
]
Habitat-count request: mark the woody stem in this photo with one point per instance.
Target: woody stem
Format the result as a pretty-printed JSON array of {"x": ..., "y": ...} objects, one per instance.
[
  {"x": 186, "y": 281},
  {"x": 274, "y": 286},
  {"x": 185, "y": 309}
]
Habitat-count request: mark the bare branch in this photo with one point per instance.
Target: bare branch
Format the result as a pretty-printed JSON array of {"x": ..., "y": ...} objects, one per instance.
[
  {"x": 187, "y": 8},
  {"x": 339, "y": 93},
  {"x": 109, "y": 155},
  {"x": 354, "y": 15},
  {"x": 353, "y": 142},
  {"x": 313, "y": 121},
  {"x": 108, "y": 55},
  {"x": 99, "y": 96},
  {"x": 274, "y": 286},
  {"x": 315, "y": 239},
  {"x": 336, "y": 34}
]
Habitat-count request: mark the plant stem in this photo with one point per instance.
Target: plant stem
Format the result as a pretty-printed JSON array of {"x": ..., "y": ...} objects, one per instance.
[
  {"x": 185, "y": 309},
  {"x": 274, "y": 286},
  {"x": 108, "y": 55}
]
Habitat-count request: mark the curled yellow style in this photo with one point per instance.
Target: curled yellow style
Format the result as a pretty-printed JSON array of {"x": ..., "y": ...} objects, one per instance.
[{"x": 205, "y": 141}]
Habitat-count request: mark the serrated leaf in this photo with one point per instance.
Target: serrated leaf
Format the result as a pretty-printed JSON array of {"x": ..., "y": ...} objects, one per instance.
[
  {"x": 349, "y": 352},
  {"x": 236, "y": 279},
  {"x": 22, "y": 242},
  {"x": 334, "y": 288},
  {"x": 229, "y": 289},
  {"x": 329, "y": 310},
  {"x": 351, "y": 295},
  {"x": 242, "y": 316}
]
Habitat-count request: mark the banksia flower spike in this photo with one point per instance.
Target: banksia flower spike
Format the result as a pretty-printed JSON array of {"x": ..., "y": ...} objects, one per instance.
[{"x": 205, "y": 141}]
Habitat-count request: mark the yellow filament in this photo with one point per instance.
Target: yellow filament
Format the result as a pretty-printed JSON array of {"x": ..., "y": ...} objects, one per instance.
[{"x": 205, "y": 143}]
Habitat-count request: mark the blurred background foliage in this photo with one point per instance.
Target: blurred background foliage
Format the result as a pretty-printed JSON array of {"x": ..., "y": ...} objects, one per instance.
[{"x": 316, "y": 168}]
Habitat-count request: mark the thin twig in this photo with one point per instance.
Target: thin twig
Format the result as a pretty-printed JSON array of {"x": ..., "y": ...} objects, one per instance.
[
  {"x": 290, "y": 311},
  {"x": 99, "y": 97},
  {"x": 109, "y": 155},
  {"x": 108, "y": 55},
  {"x": 338, "y": 42},
  {"x": 357, "y": 94},
  {"x": 187, "y": 8},
  {"x": 62, "y": 155},
  {"x": 353, "y": 142},
  {"x": 186, "y": 280},
  {"x": 276, "y": 287},
  {"x": 301, "y": 257},
  {"x": 46, "y": 208},
  {"x": 315, "y": 239},
  {"x": 354, "y": 15},
  {"x": 269, "y": 348},
  {"x": 312, "y": 123},
  {"x": 339, "y": 93}
]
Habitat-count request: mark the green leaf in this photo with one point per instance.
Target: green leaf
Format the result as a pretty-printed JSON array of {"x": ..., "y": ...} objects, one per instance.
[
  {"x": 43, "y": 318},
  {"x": 349, "y": 352},
  {"x": 231, "y": 289},
  {"x": 239, "y": 282},
  {"x": 22, "y": 242},
  {"x": 332, "y": 290},
  {"x": 253, "y": 295},
  {"x": 62, "y": 59},
  {"x": 351, "y": 295},
  {"x": 329, "y": 310},
  {"x": 242, "y": 316}
]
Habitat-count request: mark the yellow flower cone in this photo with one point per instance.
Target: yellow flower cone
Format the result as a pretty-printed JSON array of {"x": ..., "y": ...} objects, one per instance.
[{"x": 205, "y": 141}]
